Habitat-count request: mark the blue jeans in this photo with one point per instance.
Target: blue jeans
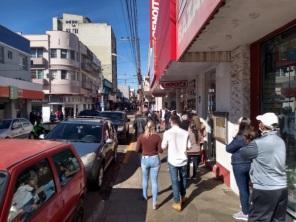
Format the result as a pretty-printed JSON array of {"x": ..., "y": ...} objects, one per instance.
[
  {"x": 150, "y": 164},
  {"x": 241, "y": 174},
  {"x": 179, "y": 182}
]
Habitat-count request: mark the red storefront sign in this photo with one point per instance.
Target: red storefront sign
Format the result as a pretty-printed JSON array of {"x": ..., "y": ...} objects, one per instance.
[
  {"x": 174, "y": 84},
  {"x": 165, "y": 47},
  {"x": 193, "y": 15}
]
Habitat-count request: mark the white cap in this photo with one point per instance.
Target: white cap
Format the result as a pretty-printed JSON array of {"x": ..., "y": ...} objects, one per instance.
[{"x": 268, "y": 119}]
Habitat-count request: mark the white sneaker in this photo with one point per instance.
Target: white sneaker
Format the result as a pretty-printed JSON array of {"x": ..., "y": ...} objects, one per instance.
[{"x": 240, "y": 216}]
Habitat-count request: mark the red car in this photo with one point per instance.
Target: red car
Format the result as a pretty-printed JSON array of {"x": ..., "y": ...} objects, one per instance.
[{"x": 40, "y": 181}]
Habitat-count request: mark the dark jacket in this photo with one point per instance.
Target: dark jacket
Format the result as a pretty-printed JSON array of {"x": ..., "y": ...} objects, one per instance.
[{"x": 234, "y": 148}]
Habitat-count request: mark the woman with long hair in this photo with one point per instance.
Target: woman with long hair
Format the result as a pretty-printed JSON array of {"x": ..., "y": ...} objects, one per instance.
[
  {"x": 193, "y": 154},
  {"x": 240, "y": 166},
  {"x": 149, "y": 145}
]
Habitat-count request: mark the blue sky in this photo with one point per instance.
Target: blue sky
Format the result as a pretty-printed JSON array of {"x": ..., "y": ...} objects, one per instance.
[{"x": 35, "y": 17}]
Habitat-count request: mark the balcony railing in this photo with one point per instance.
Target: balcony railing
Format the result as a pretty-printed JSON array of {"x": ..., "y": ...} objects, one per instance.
[{"x": 38, "y": 62}]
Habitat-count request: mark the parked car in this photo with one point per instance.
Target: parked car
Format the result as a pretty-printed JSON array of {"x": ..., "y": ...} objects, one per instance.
[
  {"x": 120, "y": 121},
  {"x": 89, "y": 112},
  {"x": 95, "y": 141},
  {"x": 40, "y": 181},
  {"x": 15, "y": 128}
]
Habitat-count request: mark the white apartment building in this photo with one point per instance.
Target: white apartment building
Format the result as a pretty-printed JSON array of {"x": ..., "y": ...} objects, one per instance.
[
  {"x": 16, "y": 88},
  {"x": 69, "y": 72},
  {"x": 98, "y": 37}
]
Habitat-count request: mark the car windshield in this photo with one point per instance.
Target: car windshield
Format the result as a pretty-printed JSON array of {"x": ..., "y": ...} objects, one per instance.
[
  {"x": 76, "y": 132},
  {"x": 112, "y": 116},
  {"x": 3, "y": 180},
  {"x": 4, "y": 124}
]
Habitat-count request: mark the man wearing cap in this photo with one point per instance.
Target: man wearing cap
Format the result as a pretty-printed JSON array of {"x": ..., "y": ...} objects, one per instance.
[{"x": 268, "y": 155}]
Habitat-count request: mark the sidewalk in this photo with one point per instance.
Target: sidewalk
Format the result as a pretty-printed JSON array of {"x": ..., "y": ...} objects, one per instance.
[{"x": 209, "y": 200}]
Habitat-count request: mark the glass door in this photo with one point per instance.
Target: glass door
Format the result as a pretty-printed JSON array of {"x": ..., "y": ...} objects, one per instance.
[{"x": 279, "y": 96}]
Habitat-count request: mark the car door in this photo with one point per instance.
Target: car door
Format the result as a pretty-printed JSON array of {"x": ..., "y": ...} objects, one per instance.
[
  {"x": 27, "y": 127},
  {"x": 70, "y": 180},
  {"x": 34, "y": 195},
  {"x": 107, "y": 148},
  {"x": 15, "y": 128}
]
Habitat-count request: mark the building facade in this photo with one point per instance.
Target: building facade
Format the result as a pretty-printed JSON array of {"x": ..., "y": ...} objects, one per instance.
[
  {"x": 16, "y": 88},
  {"x": 69, "y": 72},
  {"x": 98, "y": 37},
  {"x": 225, "y": 59}
]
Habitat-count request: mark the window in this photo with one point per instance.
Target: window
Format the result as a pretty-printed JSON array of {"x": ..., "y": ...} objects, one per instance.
[
  {"x": 24, "y": 62},
  {"x": 67, "y": 165},
  {"x": 25, "y": 122},
  {"x": 68, "y": 30},
  {"x": 72, "y": 54},
  {"x": 34, "y": 186},
  {"x": 63, "y": 53},
  {"x": 64, "y": 74},
  {"x": 40, "y": 74},
  {"x": 77, "y": 57},
  {"x": 9, "y": 55},
  {"x": 1, "y": 54},
  {"x": 36, "y": 52},
  {"x": 75, "y": 31},
  {"x": 53, "y": 53}
]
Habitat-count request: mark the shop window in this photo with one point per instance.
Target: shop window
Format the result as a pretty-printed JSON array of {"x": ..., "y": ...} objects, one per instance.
[
  {"x": 9, "y": 55},
  {"x": 279, "y": 96},
  {"x": 1, "y": 54},
  {"x": 34, "y": 187},
  {"x": 53, "y": 53},
  {"x": 63, "y": 53},
  {"x": 40, "y": 74}
]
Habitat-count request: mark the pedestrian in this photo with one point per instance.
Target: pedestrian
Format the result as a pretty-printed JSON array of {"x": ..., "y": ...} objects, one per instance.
[
  {"x": 140, "y": 123},
  {"x": 149, "y": 145},
  {"x": 193, "y": 154},
  {"x": 176, "y": 141},
  {"x": 32, "y": 117},
  {"x": 241, "y": 167},
  {"x": 167, "y": 116},
  {"x": 184, "y": 122},
  {"x": 268, "y": 155}
]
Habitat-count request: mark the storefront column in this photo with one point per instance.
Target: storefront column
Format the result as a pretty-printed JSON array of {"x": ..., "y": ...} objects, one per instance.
[
  {"x": 178, "y": 101},
  {"x": 240, "y": 83},
  {"x": 74, "y": 110},
  {"x": 29, "y": 107},
  {"x": 12, "y": 109}
]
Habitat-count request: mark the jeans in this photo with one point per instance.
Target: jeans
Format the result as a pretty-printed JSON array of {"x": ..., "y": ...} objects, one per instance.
[
  {"x": 241, "y": 174},
  {"x": 196, "y": 160},
  {"x": 150, "y": 164},
  {"x": 179, "y": 182}
]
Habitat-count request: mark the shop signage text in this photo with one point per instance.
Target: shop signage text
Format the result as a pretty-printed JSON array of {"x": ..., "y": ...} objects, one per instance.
[
  {"x": 153, "y": 21},
  {"x": 174, "y": 84}
]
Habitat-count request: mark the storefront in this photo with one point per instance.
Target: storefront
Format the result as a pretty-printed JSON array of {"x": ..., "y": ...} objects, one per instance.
[{"x": 276, "y": 86}]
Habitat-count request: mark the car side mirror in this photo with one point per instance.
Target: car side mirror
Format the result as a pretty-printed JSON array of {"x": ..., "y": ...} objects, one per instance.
[{"x": 109, "y": 141}]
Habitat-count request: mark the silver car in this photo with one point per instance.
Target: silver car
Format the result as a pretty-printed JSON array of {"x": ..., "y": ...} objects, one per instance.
[{"x": 15, "y": 128}]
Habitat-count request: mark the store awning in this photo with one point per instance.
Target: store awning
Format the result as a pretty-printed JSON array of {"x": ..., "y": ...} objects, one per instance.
[{"x": 13, "y": 92}]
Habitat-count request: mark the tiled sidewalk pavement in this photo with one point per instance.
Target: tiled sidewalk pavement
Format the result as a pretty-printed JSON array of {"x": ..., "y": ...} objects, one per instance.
[{"x": 208, "y": 199}]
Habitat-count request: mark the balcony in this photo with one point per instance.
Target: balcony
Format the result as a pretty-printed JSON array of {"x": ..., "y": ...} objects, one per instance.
[
  {"x": 38, "y": 62},
  {"x": 64, "y": 86}
]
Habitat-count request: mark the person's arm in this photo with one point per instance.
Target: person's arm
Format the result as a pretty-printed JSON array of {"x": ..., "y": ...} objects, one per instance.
[
  {"x": 250, "y": 151},
  {"x": 160, "y": 150},
  {"x": 139, "y": 145},
  {"x": 235, "y": 145},
  {"x": 165, "y": 141},
  {"x": 189, "y": 144}
]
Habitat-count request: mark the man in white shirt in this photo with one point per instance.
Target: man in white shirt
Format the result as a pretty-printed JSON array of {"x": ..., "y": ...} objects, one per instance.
[{"x": 176, "y": 140}]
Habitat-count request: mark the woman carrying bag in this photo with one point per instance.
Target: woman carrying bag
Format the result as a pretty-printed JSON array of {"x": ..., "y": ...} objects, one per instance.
[
  {"x": 149, "y": 144},
  {"x": 194, "y": 152}
]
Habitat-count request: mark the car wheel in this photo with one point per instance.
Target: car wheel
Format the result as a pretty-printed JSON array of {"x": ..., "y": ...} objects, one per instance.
[
  {"x": 78, "y": 217},
  {"x": 100, "y": 176}
]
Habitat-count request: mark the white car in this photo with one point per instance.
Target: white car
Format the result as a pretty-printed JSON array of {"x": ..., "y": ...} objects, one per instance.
[{"x": 15, "y": 128}]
